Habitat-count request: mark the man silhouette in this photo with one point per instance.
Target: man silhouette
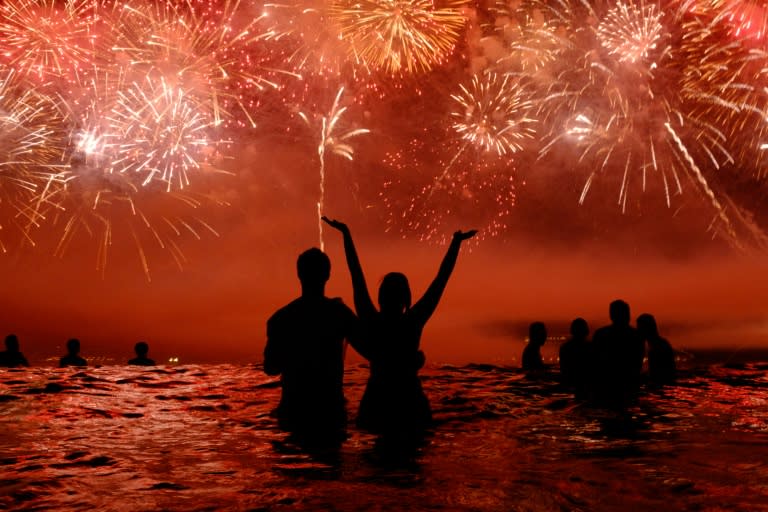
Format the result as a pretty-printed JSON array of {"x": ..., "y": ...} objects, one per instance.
[
  {"x": 305, "y": 346},
  {"x": 73, "y": 355},
  {"x": 141, "y": 359},
  {"x": 618, "y": 352},
  {"x": 12, "y": 357}
]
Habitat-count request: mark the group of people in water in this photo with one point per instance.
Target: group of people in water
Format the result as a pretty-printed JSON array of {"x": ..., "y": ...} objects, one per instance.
[
  {"x": 305, "y": 346},
  {"x": 306, "y": 343},
  {"x": 13, "y": 358},
  {"x": 609, "y": 369}
]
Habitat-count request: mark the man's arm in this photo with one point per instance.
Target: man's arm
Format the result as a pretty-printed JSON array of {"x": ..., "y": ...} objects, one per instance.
[{"x": 353, "y": 332}]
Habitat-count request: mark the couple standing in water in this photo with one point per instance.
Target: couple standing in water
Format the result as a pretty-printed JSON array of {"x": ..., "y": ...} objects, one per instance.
[{"x": 305, "y": 346}]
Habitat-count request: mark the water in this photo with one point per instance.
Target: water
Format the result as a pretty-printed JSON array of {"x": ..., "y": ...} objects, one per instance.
[{"x": 201, "y": 438}]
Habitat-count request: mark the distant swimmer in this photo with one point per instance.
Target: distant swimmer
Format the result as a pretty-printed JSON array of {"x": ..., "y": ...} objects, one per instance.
[
  {"x": 661, "y": 357},
  {"x": 537, "y": 336},
  {"x": 141, "y": 359},
  {"x": 72, "y": 358},
  {"x": 11, "y": 357},
  {"x": 575, "y": 359}
]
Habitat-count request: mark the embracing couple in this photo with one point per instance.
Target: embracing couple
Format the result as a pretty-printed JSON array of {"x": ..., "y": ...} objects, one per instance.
[{"x": 305, "y": 346}]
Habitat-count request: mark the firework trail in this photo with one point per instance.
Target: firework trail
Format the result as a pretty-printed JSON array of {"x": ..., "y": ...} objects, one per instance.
[
  {"x": 103, "y": 206},
  {"x": 335, "y": 143}
]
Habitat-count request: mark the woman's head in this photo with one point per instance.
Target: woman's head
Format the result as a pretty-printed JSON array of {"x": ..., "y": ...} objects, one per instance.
[{"x": 394, "y": 293}]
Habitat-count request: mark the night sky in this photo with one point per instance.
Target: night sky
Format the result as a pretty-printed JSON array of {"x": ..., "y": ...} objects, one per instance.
[{"x": 541, "y": 254}]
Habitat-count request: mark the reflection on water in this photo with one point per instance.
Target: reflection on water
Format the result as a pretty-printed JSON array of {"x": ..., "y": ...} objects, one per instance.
[{"x": 201, "y": 438}]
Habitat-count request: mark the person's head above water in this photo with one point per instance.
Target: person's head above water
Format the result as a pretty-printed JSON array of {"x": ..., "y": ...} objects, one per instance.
[
  {"x": 12, "y": 343},
  {"x": 314, "y": 268},
  {"x": 619, "y": 312},
  {"x": 579, "y": 328},
  {"x": 73, "y": 346},
  {"x": 537, "y": 333},
  {"x": 646, "y": 324},
  {"x": 394, "y": 293},
  {"x": 141, "y": 349}
]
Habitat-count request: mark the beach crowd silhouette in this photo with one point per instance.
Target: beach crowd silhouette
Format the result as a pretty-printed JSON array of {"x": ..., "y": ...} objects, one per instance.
[{"x": 307, "y": 340}]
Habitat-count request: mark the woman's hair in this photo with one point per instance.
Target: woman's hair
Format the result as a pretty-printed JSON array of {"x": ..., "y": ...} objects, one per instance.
[{"x": 394, "y": 292}]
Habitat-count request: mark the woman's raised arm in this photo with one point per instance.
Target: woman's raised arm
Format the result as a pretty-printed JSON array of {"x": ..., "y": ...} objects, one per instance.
[
  {"x": 363, "y": 303},
  {"x": 427, "y": 304}
]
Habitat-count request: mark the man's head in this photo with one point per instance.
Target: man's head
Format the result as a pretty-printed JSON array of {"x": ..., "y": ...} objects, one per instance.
[
  {"x": 12, "y": 343},
  {"x": 73, "y": 346},
  {"x": 141, "y": 349},
  {"x": 537, "y": 333},
  {"x": 313, "y": 268},
  {"x": 619, "y": 312}
]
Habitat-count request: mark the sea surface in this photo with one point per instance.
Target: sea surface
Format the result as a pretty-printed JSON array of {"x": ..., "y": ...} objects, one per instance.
[{"x": 186, "y": 438}]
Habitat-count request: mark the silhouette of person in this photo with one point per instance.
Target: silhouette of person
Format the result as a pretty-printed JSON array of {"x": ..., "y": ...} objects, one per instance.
[
  {"x": 11, "y": 357},
  {"x": 394, "y": 402},
  {"x": 661, "y": 357},
  {"x": 305, "y": 346},
  {"x": 618, "y": 352},
  {"x": 575, "y": 359},
  {"x": 141, "y": 359},
  {"x": 72, "y": 358},
  {"x": 537, "y": 336}
]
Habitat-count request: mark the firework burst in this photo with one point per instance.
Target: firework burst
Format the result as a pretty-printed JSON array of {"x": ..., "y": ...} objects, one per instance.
[
  {"x": 624, "y": 111},
  {"x": 46, "y": 39},
  {"x": 494, "y": 114},
  {"x": 398, "y": 37},
  {"x": 212, "y": 56},
  {"x": 32, "y": 145}
]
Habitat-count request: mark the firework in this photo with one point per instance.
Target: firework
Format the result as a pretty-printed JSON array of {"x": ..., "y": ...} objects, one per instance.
[
  {"x": 399, "y": 36},
  {"x": 748, "y": 19},
  {"x": 519, "y": 38},
  {"x": 494, "y": 114},
  {"x": 725, "y": 82},
  {"x": 332, "y": 141},
  {"x": 211, "y": 56},
  {"x": 32, "y": 143},
  {"x": 110, "y": 210},
  {"x": 479, "y": 190},
  {"x": 631, "y": 32},
  {"x": 46, "y": 39},
  {"x": 305, "y": 34},
  {"x": 623, "y": 109}
]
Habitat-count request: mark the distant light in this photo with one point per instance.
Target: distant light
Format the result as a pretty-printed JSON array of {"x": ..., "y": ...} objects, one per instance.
[{"x": 173, "y": 360}]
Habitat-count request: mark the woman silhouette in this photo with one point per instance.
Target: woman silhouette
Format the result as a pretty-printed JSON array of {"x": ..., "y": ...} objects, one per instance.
[{"x": 394, "y": 400}]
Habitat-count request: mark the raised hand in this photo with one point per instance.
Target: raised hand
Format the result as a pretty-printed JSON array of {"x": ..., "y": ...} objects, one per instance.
[
  {"x": 336, "y": 224},
  {"x": 464, "y": 235}
]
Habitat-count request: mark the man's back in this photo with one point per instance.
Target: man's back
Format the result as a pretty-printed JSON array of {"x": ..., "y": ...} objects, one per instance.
[
  {"x": 305, "y": 346},
  {"x": 618, "y": 352}
]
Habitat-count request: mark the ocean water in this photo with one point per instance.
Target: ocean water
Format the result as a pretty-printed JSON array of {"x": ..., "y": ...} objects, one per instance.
[{"x": 117, "y": 438}]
